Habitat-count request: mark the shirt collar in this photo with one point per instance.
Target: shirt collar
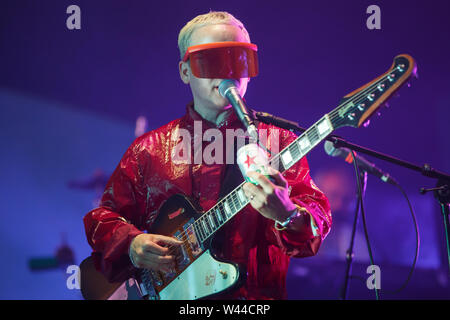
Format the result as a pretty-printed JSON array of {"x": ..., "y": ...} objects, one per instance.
[{"x": 230, "y": 120}]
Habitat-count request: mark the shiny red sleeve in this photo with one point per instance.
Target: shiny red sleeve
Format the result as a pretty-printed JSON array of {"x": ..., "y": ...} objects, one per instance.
[
  {"x": 304, "y": 193},
  {"x": 111, "y": 227}
]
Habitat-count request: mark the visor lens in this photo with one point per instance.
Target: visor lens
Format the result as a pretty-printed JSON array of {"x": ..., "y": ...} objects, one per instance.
[{"x": 224, "y": 63}]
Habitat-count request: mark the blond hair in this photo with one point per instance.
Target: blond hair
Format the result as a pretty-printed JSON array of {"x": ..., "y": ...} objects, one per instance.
[{"x": 210, "y": 18}]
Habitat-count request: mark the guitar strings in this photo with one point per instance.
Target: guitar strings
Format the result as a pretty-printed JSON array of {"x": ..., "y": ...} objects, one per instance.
[
  {"x": 184, "y": 236},
  {"x": 335, "y": 113}
]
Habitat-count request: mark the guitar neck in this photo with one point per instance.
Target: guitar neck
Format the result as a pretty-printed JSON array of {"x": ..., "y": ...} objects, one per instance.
[{"x": 227, "y": 207}]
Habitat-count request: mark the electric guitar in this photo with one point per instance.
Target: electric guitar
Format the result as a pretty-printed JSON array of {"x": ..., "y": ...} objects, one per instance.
[{"x": 199, "y": 273}]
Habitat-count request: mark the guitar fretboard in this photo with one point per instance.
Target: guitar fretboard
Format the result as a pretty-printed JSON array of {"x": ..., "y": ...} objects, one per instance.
[{"x": 235, "y": 201}]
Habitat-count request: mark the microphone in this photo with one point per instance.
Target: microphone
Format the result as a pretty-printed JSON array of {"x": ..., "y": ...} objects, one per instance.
[
  {"x": 360, "y": 161},
  {"x": 228, "y": 89},
  {"x": 277, "y": 121}
]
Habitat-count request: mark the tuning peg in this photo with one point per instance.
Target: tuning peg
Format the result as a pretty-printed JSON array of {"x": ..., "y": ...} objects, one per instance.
[
  {"x": 366, "y": 123},
  {"x": 409, "y": 84},
  {"x": 387, "y": 105},
  {"x": 379, "y": 113}
]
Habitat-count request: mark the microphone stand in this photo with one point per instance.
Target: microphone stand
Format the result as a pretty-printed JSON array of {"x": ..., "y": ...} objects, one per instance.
[
  {"x": 349, "y": 254},
  {"x": 441, "y": 191}
]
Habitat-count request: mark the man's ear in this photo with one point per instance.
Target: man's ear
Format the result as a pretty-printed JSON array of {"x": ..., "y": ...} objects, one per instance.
[{"x": 183, "y": 68}]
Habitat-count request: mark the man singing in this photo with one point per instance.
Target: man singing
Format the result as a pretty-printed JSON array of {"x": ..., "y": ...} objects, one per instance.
[{"x": 288, "y": 215}]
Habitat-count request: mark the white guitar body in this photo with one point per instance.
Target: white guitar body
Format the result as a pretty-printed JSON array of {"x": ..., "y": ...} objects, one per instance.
[
  {"x": 205, "y": 277},
  {"x": 208, "y": 276}
]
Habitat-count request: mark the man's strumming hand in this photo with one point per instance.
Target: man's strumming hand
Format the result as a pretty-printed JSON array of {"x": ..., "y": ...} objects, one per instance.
[{"x": 154, "y": 252}]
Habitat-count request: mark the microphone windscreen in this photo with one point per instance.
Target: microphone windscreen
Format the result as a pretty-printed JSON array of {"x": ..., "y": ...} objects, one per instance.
[
  {"x": 330, "y": 149},
  {"x": 225, "y": 85}
]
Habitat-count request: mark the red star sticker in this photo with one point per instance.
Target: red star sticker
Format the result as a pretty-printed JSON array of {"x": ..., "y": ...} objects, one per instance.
[{"x": 249, "y": 161}]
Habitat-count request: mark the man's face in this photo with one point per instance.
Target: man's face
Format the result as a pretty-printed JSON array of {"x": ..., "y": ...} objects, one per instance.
[{"x": 205, "y": 91}]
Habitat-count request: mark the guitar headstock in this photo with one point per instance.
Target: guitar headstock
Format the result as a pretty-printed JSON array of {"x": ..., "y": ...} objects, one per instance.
[{"x": 358, "y": 106}]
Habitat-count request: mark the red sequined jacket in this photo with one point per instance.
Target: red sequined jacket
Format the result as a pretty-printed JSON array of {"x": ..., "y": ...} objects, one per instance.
[{"x": 147, "y": 175}]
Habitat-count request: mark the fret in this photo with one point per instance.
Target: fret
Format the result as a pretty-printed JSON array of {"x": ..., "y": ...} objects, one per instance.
[
  {"x": 286, "y": 157},
  {"x": 308, "y": 140},
  {"x": 280, "y": 164},
  {"x": 222, "y": 212},
  {"x": 211, "y": 221},
  {"x": 219, "y": 215},
  {"x": 242, "y": 200},
  {"x": 236, "y": 201},
  {"x": 199, "y": 231},
  {"x": 195, "y": 230},
  {"x": 313, "y": 136},
  {"x": 215, "y": 219},
  {"x": 205, "y": 227},
  {"x": 304, "y": 143},
  {"x": 230, "y": 203},
  {"x": 234, "y": 206},
  {"x": 324, "y": 127},
  {"x": 291, "y": 155},
  {"x": 208, "y": 226},
  {"x": 227, "y": 210},
  {"x": 295, "y": 151},
  {"x": 242, "y": 197}
]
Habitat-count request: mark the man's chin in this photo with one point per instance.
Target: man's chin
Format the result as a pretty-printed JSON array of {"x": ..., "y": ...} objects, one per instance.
[
  {"x": 219, "y": 104},
  {"x": 216, "y": 104}
]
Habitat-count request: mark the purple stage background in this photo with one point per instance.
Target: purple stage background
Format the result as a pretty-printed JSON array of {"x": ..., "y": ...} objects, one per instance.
[{"x": 69, "y": 100}]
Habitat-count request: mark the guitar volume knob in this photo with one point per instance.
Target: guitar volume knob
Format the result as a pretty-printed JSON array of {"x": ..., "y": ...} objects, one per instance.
[{"x": 224, "y": 274}]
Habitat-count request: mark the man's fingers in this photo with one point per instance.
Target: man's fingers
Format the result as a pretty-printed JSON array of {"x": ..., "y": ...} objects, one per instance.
[
  {"x": 265, "y": 183},
  {"x": 152, "y": 247},
  {"x": 278, "y": 178},
  {"x": 155, "y": 252},
  {"x": 154, "y": 261},
  {"x": 253, "y": 192},
  {"x": 167, "y": 240},
  {"x": 157, "y": 259},
  {"x": 160, "y": 244}
]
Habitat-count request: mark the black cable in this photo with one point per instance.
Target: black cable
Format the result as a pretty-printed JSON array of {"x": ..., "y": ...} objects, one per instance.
[
  {"x": 416, "y": 227},
  {"x": 363, "y": 215}
]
